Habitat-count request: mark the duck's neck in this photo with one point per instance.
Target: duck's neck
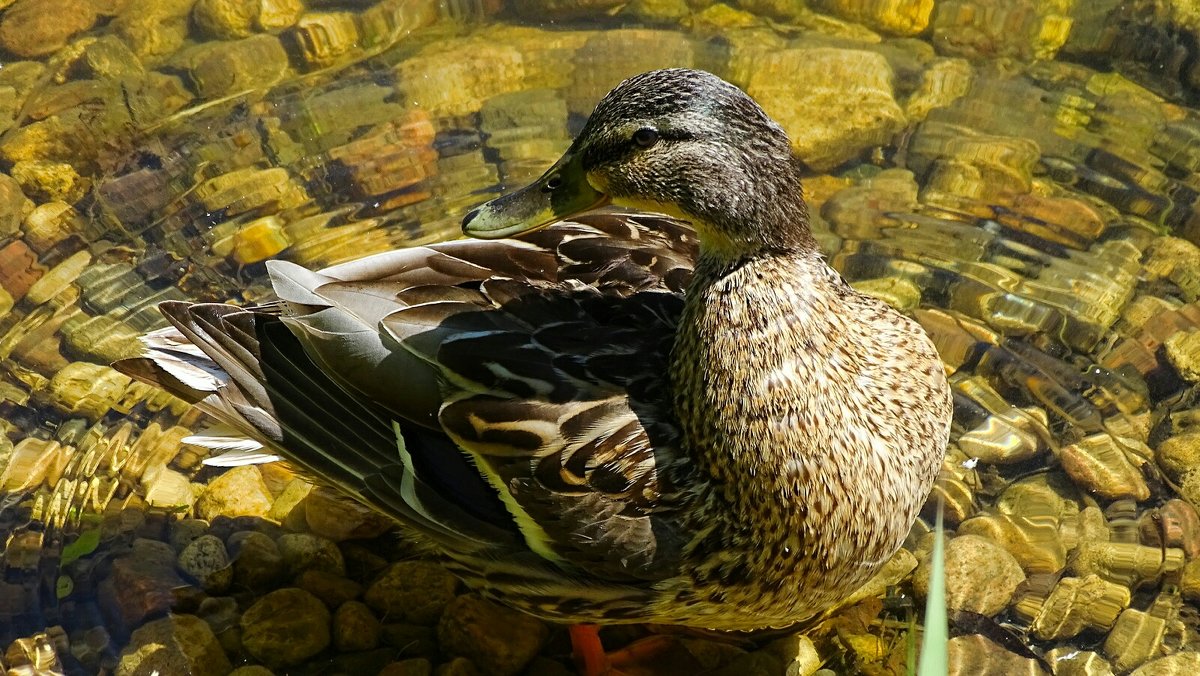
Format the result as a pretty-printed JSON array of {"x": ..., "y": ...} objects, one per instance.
[{"x": 747, "y": 356}]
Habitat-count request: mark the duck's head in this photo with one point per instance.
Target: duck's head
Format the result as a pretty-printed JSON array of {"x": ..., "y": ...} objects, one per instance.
[{"x": 680, "y": 142}]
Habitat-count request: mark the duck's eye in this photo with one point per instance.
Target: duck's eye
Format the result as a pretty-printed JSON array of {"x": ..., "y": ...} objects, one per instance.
[
  {"x": 552, "y": 183},
  {"x": 645, "y": 137}
]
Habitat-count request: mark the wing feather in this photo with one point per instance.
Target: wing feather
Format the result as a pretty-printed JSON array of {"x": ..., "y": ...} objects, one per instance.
[{"x": 525, "y": 380}]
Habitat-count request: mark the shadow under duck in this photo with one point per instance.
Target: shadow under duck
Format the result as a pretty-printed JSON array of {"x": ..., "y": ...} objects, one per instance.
[{"x": 686, "y": 419}]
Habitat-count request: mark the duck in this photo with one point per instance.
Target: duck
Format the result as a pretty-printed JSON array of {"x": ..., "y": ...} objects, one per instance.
[{"x": 637, "y": 393}]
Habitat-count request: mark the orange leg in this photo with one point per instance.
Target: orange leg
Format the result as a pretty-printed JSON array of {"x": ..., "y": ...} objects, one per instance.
[
  {"x": 587, "y": 650},
  {"x": 660, "y": 655}
]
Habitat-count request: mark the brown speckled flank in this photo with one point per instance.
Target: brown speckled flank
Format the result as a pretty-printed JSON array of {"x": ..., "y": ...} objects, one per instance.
[{"x": 617, "y": 418}]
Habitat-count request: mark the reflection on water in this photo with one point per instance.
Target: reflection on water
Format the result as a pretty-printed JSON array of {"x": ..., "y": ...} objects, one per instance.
[{"x": 1019, "y": 175}]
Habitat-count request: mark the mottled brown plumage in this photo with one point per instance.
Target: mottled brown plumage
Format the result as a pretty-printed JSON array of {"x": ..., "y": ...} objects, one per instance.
[{"x": 602, "y": 421}]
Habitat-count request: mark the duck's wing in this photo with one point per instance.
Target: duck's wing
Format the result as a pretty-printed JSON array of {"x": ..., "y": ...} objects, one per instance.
[
  {"x": 544, "y": 359},
  {"x": 549, "y": 357}
]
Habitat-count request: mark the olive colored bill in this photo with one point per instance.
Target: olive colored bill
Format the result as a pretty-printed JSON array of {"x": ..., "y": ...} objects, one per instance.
[{"x": 562, "y": 192}]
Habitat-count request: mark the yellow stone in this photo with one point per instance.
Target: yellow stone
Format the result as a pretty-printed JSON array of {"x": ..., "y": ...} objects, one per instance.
[
  {"x": 48, "y": 224},
  {"x": 87, "y": 389},
  {"x": 834, "y": 103},
  {"x": 1179, "y": 455},
  {"x": 259, "y": 240},
  {"x": 58, "y": 278},
  {"x": 167, "y": 488},
  {"x": 1183, "y": 351},
  {"x": 31, "y": 463},
  {"x": 238, "y": 492},
  {"x": 898, "y": 292},
  {"x": 897, "y": 17}
]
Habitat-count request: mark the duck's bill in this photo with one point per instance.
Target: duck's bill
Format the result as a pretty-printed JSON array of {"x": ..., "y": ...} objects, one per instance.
[{"x": 562, "y": 192}]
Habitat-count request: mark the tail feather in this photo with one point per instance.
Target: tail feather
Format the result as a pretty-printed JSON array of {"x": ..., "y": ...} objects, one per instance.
[{"x": 248, "y": 371}]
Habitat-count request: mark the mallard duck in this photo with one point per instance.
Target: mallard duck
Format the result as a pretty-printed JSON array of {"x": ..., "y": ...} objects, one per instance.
[{"x": 595, "y": 414}]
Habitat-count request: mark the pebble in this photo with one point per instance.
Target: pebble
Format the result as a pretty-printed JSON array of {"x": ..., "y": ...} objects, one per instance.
[
  {"x": 304, "y": 551},
  {"x": 1189, "y": 583},
  {"x": 1183, "y": 351},
  {"x": 226, "y": 19},
  {"x": 1179, "y": 455},
  {"x": 226, "y": 68},
  {"x": 224, "y": 617},
  {"x": 339, "y": 518},
  {"x": 257, "y": 563},
  {"x": 331, "y": 588},
  {"x": 168, "y": 489},
  {"x": 287, "y": 508},
  {"x": 275, "y": 15},
  {"x": 1135, "y": 638},
  {"x": 458, "y": 666},
  {"x": 973, "y": 654},
  {"x": 496, "y": 638},
  {"x": 417, "y": 666},
  {"x": 1076, "y": 604},
  {"x": 32, "y": 463},
  {"x": 895, "y": 18},
  {"x": 1179, "y": 664},
  {"x": 205, "y": 560},
  {"x": 89, "y": 390},
  {"x": 285, "y": 627},
  {"x": 414, "y": 592},
  {"x": 45, "y": 181},
  {"x": 107, "y": 59},
  {"x": 1177, "y": 523},
  {"x": 238, "y": 492},
  {"x": 411, "y": 639},
  {"x": 140, "y": 584},
  {"x": 981, "y": 576},
  {"x": 154, "y": 30},
  {"x": 14, "y": 206},
  {"x": 35, "y": 28},
  {"x": 177, "y": 644},
  {"x": 1070, "y": 661},
  {"x": 1126, "y": 563},
  {"x": 1036, "y": 542},
  {"x": 834, "y": 103},
  {"x": 355, "y": 627},
  {"x": 1101, "y": 464}
]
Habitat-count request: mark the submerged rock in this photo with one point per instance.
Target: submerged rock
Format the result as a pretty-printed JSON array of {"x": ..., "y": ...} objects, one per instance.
[
  {"x": 1074, "y": 605},
  {"x": 226, "y": 19},
  {"x": 33, "y": 28},
  {"x": 496, "y": 639},
  {"x": 981, "y": 577},
  {"x": 141, "y": 584},
  {"x": 304, "y": 551},
  {"x": 355, "y": 627},
  {"x": 1183, "y": 351},
  {"x": 206, "y": 561},
  {"x": 974, "y": 654},
  {"x": 333, "y": 589},
  {"x": 178, "y": 644},
  {"x": 238, "y": 492},
  {"x": 413, "y": 592},
  {"x": 896, "y": 17},
  {"x": 257, "y": 563},
  {"x": 834, "y": 103},
  {"x": 285, "y": 627},
  {"x": 14, "y": 206},
  {"x": 1136, "y": 637}
]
